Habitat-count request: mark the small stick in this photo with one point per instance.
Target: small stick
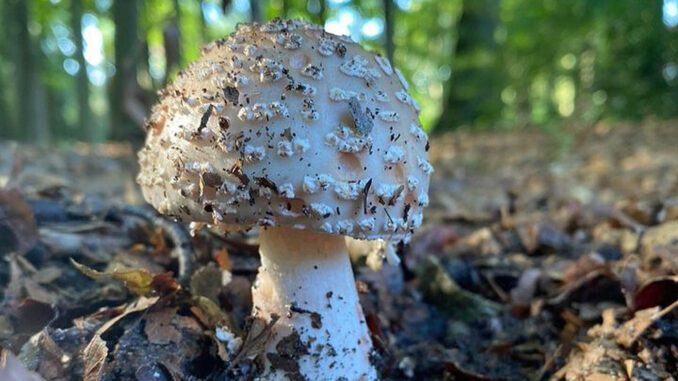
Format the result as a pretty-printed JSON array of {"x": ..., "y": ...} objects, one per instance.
[{"x": 183, "y": 247}]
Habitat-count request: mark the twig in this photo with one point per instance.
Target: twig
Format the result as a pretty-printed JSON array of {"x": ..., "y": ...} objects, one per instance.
[{"x": 183, "y": 247}]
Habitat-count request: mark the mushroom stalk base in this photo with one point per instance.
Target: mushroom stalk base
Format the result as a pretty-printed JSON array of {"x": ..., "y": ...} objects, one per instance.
[{"x": 306, "y": 279}]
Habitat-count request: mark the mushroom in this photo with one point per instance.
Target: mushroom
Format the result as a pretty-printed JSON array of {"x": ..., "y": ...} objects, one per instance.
[{"x": 312, "y": 138}]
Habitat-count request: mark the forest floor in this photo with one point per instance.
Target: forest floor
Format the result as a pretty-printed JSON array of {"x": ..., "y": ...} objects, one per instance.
[{"x": 542, "y": 257}]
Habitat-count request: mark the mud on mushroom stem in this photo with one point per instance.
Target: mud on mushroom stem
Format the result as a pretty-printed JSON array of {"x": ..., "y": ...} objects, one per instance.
[{"x": 307, "y": 280}]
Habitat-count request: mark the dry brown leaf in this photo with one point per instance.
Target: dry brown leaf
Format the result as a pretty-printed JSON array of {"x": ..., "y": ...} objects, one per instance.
[
  {"x": 630, "y": 331},
  {"x": 658, "y": 248},
  {"x": 141, "y": 304},
  {"x": 223, "y": 259},
  {"x": 21, "y": 284},
  {"x": 256, "y": 339},
  {"x": 94, "y": 358},
  {"x": 209, "y": 313},
  {"x": 18, "y": 230},
  {"x": 159, "y": 328},
  {"x": 96, "y": 351},
  {"x": 582, "y": 266}
]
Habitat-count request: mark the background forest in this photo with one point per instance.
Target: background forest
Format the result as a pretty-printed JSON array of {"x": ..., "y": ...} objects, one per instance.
[
  {"x": 89, "y": 70},
  {"x": 548, "y": 251}
]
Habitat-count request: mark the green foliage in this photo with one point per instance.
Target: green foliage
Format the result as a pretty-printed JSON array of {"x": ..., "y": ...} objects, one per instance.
[
  {"x": 476, "y": 63},
  {"x": 558, "y": 60}
]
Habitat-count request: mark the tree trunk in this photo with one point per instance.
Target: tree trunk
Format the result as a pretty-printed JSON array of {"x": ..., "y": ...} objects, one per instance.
[
  {"x": 23, "y": 64},
  {"x": 323, "y": 11},
  {"x": 7, "y": 124},
  {"x": 124, "y": 84},
  {"x": 388, "y": 29},
  {"x": 317, "y": 8},
  {"x": 31, "y": 118},
  {"x": 85, "y": 129},
  {"x": 285, "y": 8},
  {"x": 473, "y": 92},
  {"x": 255, "y": 11},
  {"x": 172, "y": 42}
]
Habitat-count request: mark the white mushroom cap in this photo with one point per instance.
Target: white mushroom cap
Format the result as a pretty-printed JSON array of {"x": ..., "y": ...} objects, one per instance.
[{"x": 284, "y": 124}]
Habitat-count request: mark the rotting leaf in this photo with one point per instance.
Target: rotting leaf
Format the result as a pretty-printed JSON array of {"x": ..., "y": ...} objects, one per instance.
[
  {"x": 18, "y": 230},
  {"x": 33, "y": 315},
  {"x": 137, "y": 281},
  {"x": 164, "y": 283},
  {"x": 440, "y": 289}
]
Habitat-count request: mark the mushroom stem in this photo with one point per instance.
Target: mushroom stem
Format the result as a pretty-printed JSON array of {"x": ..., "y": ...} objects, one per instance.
[{"x": 306, "y": 279}]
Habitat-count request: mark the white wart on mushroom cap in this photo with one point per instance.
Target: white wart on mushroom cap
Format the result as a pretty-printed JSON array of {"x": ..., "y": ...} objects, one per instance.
[{"x": 284, "y": 124}]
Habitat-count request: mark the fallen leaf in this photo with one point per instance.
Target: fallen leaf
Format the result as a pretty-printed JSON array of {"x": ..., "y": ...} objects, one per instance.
[
  {"x": 441, "y": 290},
  {"x": 659, "y": 292},
  {"x": 96, "y": 351},
  {"x": 159, "y": 328},
  {"x": 141, "y": 304},
  {"x": 658, "y": 248},
  {"x": 43, "y": 355},
  {"x": 543, "y": 237},
  {"x": 209, "y": 313},
  {"x": 223, "y": 259},
  {"x": 21, "y": 284},
  {"x": 164, "y": 283},
  {"x": 630, "y": 331},
  {"x": 18, "y": 230},
  {"x": 94, "y": 358},
  {"x": 33, "y": 315},
  {"x": 137, "y": 281},
  {"x": 255, "y": 341}
]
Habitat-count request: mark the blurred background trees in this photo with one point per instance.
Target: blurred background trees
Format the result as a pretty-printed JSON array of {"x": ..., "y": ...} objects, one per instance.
[{"x": 89, "y": 69}]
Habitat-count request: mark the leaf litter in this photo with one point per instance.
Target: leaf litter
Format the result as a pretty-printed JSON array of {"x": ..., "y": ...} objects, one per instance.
[{"x": 537, "y": 261}]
